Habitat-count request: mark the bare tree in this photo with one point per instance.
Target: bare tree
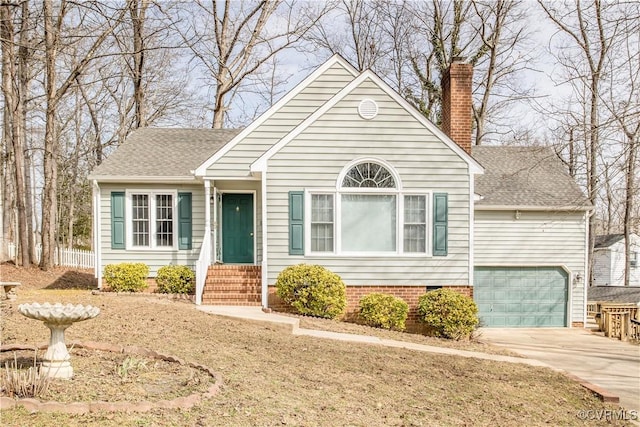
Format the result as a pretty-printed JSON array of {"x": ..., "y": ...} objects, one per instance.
[
  {"x": 499, "y": 61},
  {"x": 622, "y": 102},
  {"x": 14, "y": 131},
  {"x": 584, "y": 51},
  {"x": 235, "y": 40},
  {"x": 137, "y": 12},
  {"x": 54, "y": 42},
  {"x": 360, "y": 40}
]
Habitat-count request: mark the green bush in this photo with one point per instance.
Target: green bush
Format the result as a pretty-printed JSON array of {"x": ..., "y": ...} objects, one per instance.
[
  {"x": 448, "y": 313},
  {"x": 312, "y": 290},
  {"x": 176, "y": 279},
  {"x": 126, "y": 276},
  {"x": 383, "y": 311}
]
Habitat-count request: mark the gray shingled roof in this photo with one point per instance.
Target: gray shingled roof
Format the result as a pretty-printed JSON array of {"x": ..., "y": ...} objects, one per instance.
[
  {"x": 150, "y": 152},
  {"x": 525, "y": 176},
  {"x": 628, "y": 294},
  {"x": 606, "y": 240}
]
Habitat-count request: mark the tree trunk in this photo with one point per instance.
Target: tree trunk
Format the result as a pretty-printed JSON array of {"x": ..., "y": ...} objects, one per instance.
[
  {"x": 24, "y": 89},
  {"x": 218, "y": 112},
  {"x": 6, "y": 35},
  {"x": 51, "y": 144},
  {"x": 137, "y": 11},
  {"x": 628, "y": 208},
  {"x": 15, "y": 134}
]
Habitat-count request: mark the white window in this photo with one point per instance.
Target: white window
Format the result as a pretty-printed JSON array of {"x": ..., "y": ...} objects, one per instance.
[
  {"x": 322, "y": 208},
  {"x": 369, "y": 222},
  {"x": 368, "y": 214},
  {"x": 152, "y": 219},
  {"x": 415, "y": 223}
]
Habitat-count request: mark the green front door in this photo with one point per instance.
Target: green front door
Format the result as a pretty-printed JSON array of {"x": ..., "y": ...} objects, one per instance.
[
  {"x": 237, "y": 228},
  {"x": 521, "y": 296}
]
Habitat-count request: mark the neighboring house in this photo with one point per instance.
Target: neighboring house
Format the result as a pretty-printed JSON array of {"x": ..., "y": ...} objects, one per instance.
[
  {"x": 345, "y": 173},
  {"x": 609, "y": 260}
]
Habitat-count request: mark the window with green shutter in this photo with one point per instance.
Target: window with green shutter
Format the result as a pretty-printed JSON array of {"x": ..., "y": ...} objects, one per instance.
[
  {"x": 296, "y": 223},
  {"x": 184, "y": 221},
  {"x": 440, "y": 232},
  {"x": 117, "y": 220}
]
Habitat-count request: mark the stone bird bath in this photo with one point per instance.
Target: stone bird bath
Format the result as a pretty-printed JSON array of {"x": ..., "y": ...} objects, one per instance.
[{"x": 57, "y": 317}]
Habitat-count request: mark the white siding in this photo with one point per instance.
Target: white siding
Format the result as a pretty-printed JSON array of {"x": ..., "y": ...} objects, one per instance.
[
  {"x": 610, "y": 263},
  {"x": 237, "y": 161},
  {"x": 535, "y": 239},
  {"x": 315, "y": 158},
  {"x": 602, "y": 267},
  {"x": 153, "y": 258}
]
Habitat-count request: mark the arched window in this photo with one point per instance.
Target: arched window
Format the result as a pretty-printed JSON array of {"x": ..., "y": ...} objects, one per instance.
[
  {"x": 368, "y": 196},
  {"x": 368, "y": 175},
  {"x": 368, "y": 213}
]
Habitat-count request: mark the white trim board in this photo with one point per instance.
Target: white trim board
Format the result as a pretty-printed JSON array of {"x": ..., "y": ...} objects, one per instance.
[
  {"x": 335, "y": 59},
  {"x": 261, "y": 163}
]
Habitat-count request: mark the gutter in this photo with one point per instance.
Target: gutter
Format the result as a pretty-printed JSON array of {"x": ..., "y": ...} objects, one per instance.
[
  {"x": 532, "y": 208},
  {"x": 141, "y": 179}
]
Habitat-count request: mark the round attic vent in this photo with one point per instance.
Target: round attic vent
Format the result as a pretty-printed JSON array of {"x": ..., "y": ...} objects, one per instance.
[{"x": 368, "y": 109}]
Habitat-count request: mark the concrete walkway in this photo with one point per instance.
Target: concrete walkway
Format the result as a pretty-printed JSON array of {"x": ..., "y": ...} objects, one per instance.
[{"x": 610, "y": 364}]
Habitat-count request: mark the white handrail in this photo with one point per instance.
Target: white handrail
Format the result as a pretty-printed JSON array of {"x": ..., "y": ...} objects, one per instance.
[{"x": 202, "y": 266}]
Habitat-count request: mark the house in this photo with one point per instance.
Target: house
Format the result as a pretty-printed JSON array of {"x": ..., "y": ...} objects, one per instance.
[
  {"x": 609, "y": 260},
  {"x": 345, "y": 173}
]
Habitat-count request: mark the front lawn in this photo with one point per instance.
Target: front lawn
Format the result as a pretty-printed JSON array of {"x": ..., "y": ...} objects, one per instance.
[{"x": 274, "y": 378}]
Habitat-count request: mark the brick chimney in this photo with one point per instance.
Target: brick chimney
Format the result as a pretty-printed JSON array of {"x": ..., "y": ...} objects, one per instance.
[{"x": 457, "y": 119}]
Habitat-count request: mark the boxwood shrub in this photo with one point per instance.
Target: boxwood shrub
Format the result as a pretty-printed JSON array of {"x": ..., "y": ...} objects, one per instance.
[
  {"x": 176, "y": 279},
  {"x": 383, "y": 311},
  {"x": 312, "y": 290},
  {"x": 448, "y": 313},
  {"x": 126, "y": 276}
]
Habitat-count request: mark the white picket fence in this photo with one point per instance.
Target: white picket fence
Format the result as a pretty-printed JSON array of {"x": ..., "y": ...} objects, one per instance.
[{"x": 64, "y": 257}]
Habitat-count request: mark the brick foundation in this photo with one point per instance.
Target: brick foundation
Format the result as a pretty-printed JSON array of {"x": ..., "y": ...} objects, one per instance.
[
  {"x": 577, "y": 324},
  {"x": 409, "y": 294}
]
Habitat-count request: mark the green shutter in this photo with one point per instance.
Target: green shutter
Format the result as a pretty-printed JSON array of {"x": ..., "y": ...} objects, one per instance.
[
  {"x": 117, "y": 220},
  {"x": 440, "y": 232},
  {"x": 184, "y": 221},
  {"x": 296, "y": 223}
]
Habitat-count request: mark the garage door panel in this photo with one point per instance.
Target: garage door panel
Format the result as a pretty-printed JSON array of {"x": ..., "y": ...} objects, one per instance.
[
  {"x": 529, "y": 308},
  {"x": 521, "y": 296},
  {"x": 514, "y": 308}
]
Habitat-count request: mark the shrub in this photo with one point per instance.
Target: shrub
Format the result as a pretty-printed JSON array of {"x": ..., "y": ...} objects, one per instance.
[
  {"x": 17, "y": 382},
  {"x": 383, "y": 311},
  {"x": 176, "y": 279},
  {"x": 126, "y": 276},
  {"x": 448, "y": 313},
  {"x": 312, "y": 290}
]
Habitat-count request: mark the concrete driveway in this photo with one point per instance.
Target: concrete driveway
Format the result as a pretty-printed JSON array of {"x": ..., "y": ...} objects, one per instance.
[{"x": 610, "y": 364}]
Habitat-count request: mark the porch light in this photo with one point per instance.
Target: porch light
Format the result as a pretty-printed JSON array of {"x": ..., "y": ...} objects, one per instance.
[{"x": 577, "y": 279}]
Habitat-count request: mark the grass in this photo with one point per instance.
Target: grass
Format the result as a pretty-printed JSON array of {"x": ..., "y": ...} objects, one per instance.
[{"x": 274, "y": 378}]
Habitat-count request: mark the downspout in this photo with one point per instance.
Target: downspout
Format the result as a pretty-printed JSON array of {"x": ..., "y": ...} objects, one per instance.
[
  {"x": 265, "y": 270},
  {"x": 97, "y": 268},
  {"x": 587, "y": 270},
  {"x": 471, "y": 227}
]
